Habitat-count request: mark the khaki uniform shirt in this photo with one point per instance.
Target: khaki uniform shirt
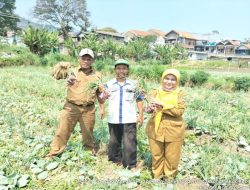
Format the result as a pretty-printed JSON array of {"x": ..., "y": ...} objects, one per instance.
[
  {"x": 172, "y": 126},
  {"x": 84, "y": 92}
]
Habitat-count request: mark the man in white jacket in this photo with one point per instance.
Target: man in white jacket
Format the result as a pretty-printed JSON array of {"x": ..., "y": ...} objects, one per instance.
[{"x": 123, "y": 95}]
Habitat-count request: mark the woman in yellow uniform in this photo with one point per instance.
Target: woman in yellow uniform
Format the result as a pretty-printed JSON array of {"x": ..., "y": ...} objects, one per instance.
[{"x": 165, "y": 129}]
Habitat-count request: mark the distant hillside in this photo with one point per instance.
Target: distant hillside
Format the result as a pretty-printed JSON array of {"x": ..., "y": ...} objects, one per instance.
[{"x": 24, "y": 23}]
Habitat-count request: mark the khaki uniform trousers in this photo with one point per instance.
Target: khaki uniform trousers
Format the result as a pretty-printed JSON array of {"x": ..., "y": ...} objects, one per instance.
[
  {"x": 165, "y": 158},
  {"x": 69, "y": 116}
]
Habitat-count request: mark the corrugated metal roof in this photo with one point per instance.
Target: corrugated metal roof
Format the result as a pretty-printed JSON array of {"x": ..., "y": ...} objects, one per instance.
[{"x": 110, "y": 34}]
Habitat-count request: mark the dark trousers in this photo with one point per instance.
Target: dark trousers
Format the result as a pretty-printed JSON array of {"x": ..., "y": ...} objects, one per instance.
[{"x": 123, "y": 136}]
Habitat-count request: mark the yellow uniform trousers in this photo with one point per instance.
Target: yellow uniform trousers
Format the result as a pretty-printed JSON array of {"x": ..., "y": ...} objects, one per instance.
[
  {"x": 165, "y": 158},
  {"x": 69, "y": 116}
]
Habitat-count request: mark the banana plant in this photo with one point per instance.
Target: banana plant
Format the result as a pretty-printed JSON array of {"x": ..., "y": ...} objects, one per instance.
[
  {"x": 39, "y": 41},
  {"x": 138, "y": 49},
  {"x": 71, "y": 47},
  {"x": 90, "y": 41},
  {"x": 168, "y": 53},
  {"x": 109, "y": 48}
]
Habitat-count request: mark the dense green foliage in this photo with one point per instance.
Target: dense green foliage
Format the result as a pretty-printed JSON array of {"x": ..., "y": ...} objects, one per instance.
[
  {"x": 53, "y": 58},
  {"x": 242, "y": 83},
  {"x": 199, "y": 78},
  {"x": 149, "y": 69},
  {"x": 40, "y": 41},
  {"x": 8, "y": 19},
  {"x": 137, "y": 49},
  {"x": 168, "y": 53},
  {"x": 16, "y": 56}
]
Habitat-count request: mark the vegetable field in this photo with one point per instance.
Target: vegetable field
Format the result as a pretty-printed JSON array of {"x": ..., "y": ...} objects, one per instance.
[{"x": 216, "y": 153}]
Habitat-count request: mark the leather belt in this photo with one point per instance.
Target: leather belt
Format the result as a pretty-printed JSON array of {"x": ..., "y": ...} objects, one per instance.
[
  {"x": 83, "y": 105},
  {"x": 87, "y": 105}
]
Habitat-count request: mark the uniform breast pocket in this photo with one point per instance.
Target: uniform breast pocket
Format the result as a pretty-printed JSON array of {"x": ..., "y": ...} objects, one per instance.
[
  {"x": 77, "y": 83},
  {"x": 129, "y": 95},
  {"x": 76, "y": 87},
  {"x": 113, "y": 93}
]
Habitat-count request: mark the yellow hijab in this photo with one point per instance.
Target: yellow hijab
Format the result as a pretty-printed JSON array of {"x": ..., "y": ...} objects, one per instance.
[{"x": 169, "y": 99}]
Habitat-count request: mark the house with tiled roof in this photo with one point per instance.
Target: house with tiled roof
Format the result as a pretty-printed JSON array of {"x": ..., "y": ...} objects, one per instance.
[
  {"x": 230, "y": 46},
  {"x": 220, "y": 47},
  {"x": 160, "y": 35},
  {"x": 182, "y": 37},
  {"x": 135, "y": 34},
  {"x": 157, "y": 32},
  {"x": 243, "y": 49},
  {"x": 227, "y": 46}
]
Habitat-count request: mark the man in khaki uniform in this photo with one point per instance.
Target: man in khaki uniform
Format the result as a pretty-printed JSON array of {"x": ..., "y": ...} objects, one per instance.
[
  {"x": 165, "y": 129},
  {"x": 80, "y": 105}
]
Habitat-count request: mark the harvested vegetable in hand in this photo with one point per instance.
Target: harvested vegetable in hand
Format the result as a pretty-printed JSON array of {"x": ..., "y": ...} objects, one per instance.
[{"x": 60, "y": 70}]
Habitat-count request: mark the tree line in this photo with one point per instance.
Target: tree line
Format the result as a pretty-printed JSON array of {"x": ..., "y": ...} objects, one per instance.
[
  {"x": 41, "y": 42},
  {"x": 66, "y": 15}
]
